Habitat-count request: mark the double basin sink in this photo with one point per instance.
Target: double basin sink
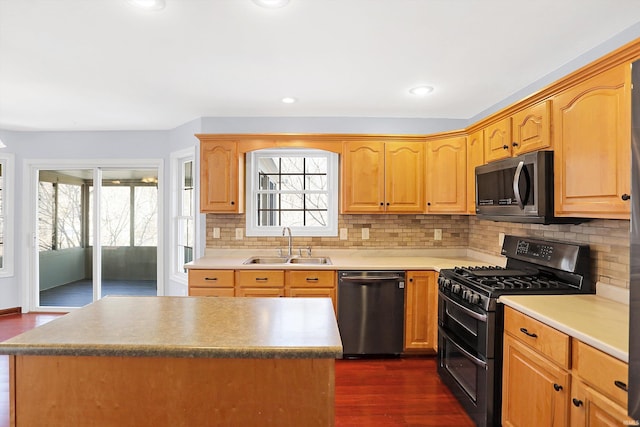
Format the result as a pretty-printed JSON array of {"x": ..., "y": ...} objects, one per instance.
[{"x": 288, "y": 260}]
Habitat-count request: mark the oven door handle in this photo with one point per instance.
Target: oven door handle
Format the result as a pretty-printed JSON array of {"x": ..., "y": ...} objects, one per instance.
[
  {"x": 471, "y": 313},
  {"x": 467, "y": 354}
]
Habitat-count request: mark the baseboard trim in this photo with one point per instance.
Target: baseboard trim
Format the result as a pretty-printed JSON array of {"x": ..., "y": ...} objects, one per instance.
[{"x": 13, "y": 310}]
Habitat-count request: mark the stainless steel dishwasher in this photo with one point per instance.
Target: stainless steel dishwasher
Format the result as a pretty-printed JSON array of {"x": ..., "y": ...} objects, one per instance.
[{"x": 371, "y": 312}]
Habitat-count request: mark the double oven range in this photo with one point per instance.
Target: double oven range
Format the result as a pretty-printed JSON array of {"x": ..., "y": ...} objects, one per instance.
[{"x": 470, "y": 320}]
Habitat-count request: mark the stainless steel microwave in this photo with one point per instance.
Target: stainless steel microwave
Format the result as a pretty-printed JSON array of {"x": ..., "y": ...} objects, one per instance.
[{"x": 518, "y": 189}]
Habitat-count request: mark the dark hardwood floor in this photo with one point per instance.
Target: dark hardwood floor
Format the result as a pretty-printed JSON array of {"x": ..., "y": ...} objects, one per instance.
[{"x": 378, "y": 392}]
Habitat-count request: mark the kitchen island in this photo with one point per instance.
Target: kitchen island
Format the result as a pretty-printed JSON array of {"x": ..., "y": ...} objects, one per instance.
[{"x": 178, "y": 361}]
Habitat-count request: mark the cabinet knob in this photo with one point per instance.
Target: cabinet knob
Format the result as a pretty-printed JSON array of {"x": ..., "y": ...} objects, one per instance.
[
  {"x": 576, "y": 402},
  {"x": 387, "y": 203},
  {"x": 428, "y": 203},
  {"x": 381, "y": 203},
  {"x": 515, "y": 144},
  {"x": 505, "y": 147},
  {"x": 625, "y": 197},
  {"x": 233, "y": 203},
  {"x": 557, "y": 387}
]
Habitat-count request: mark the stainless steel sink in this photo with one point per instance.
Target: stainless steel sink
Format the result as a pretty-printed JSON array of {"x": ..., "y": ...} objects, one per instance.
[
  {"x": 310, "y": 260},
  {"x": 287, "y": 260},
  {"x": 266, "y": 260}
]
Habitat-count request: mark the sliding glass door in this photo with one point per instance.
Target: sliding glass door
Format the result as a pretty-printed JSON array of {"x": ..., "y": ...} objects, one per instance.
[{"x": 95, "y": 240}]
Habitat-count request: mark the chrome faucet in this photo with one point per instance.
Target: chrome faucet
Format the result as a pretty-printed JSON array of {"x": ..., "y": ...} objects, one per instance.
[{"x": 286, "y": 230}]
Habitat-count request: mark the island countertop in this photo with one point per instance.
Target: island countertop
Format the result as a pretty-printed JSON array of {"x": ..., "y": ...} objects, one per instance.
[{"x": 189, "y": 327}]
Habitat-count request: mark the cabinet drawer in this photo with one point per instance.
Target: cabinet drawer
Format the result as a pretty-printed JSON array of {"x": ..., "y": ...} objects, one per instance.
[
  {"x": 603, "y": 372},
  {"x": 268, "y": 278},
  {"x": 545, "y": 339},
  {"x": 311, "y": 278},
  {"x": 211, "y": 292},
  {"x": 211, "y": 278}
]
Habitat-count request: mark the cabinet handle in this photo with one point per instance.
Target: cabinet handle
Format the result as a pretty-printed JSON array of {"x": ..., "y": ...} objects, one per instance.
[
  {"x": 527, "y": 333},
  {"x": 576, "y": 402},
  {"x": 557, "y": 387},
  {"x": 312, "y": 279},
  {"x": 211, "y": 278},
  {"x": 621, "y": 385},
  {"x": 261, "y": 279},
  {"x": 515, "y": 144},
  {"x": 626, "y": 197},
  {"x": 505, "y": 147}
]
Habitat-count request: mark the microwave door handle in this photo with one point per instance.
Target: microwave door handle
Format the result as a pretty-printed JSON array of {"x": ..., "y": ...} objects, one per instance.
[{"x": 516, "y": 186}]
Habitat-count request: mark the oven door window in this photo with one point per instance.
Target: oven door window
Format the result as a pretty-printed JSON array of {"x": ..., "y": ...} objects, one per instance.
[{"x": 463, "y": 370}]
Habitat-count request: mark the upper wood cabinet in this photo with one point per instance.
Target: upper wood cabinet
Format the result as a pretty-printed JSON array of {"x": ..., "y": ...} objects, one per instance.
[
  {"x": 382, "y": 177},
  {"x": 525, "y": 131},
  {"x": 221, "y": 176},
  {"x": 593, "y": 146},
  {"x": 475, "y": 157},
  {"x": 447, "y": 175}
]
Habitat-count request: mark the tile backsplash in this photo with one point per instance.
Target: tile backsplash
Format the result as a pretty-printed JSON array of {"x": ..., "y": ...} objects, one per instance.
[{"x": 608, "y": 239}]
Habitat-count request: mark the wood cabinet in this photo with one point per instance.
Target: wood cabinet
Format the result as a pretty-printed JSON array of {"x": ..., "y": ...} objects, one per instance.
[
  {"x": 421, "y": 312},
  {"x": 221, "y": 176},
  {"x": 382, "y": 177},
  {"x": 592, "y": 141},
  {"x": 259, "y": 283},
  {"x": 535, "y": 381},
  {"x": 311, "y": 284},
  {"x": 599, "y": 388},
  {"x": 214, "y": 283},
  {"x": 525, "y": 131},
  {"x": 447, "y": 175},
  {"x": 475, "y": 157}
]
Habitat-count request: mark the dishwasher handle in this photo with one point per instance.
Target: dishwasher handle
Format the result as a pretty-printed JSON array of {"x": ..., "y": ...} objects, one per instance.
[{"x": 371, "y": 278}]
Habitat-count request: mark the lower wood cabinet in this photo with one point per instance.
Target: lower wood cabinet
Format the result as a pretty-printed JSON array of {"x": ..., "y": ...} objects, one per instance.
[
  {"x": 259, "y": 283},
  {"x": 213, "y": 283},
  {"x": 311, "y": 284},
  {"x": 421, "y": 312},
  {"x": 540, "y": 389}
]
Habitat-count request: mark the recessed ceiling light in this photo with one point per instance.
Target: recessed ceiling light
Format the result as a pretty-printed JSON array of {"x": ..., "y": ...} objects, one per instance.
[
  {"x": 148, "y": 4},
  {"x": 421, "y": 90},
  {"x": 273, "y": 4},
  {"x": 289, "y": 100}
]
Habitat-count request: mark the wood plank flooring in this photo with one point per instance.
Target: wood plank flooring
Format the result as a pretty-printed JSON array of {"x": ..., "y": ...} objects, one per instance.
[{"x": 378, "y": 392}]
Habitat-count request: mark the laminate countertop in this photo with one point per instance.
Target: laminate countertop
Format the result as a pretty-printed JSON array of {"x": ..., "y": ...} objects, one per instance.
[
  {"x": 189, "y": 327},
  {"x": 351, "y": 260},
  {"x": 594, "y": 320}
]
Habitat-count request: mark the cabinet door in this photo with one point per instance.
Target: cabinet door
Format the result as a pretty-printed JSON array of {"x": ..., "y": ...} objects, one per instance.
[
  {"x": 219, "y": 177},
  {"x": 211, "y": 292},
  {"x": 447, "y": 175},
  {"x": 593, "y": 147},
  {"x": 259, "y": 292},
  {"x": 404, "y": 177},
  {"x": 532, "y": 128},
  {"x": 535, "y": 392},
  {"x": 497, "y": 140},
  {"x": 362, "y": 177},
  {"x": 421, "y": 305},
  {"x": 313, "y": 293},
  {"x": 475, "y": 157},
  {"x": 590, "y": 408}
]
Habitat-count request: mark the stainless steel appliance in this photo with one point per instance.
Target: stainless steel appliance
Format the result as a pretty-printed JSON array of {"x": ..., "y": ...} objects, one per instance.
[
  {"x": 371, "y": 312},
  {"x": 634, "y": 282},
  {"x": 470, "y": 321},
  {"x": 518, "y": 189}
]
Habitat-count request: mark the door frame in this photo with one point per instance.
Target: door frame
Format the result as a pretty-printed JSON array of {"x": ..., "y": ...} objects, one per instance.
[{"x": 30, "y": 206}]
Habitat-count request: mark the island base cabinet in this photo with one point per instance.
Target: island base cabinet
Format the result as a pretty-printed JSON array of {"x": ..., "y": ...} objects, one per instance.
[
  {"x": 589, "y": 408},
  {"x": 171, "y": 392}
]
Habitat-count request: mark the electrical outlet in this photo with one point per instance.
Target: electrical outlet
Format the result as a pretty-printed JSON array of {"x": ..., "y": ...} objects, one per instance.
[
  {"x": 238, "y": 233},
  {"x": 216, "y": 232},
  {"x": 500, "y": 239},
  {"x": 343, "y": 234},
  {"x": 365, "y": 234},
  {"x": 437, "y": 234}
]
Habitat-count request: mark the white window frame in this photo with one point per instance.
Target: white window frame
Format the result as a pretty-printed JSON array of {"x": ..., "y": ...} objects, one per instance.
[
  {"x": 253, "y": 230},
  {"x": 8, "y": 187},
  {"x": 177, "y": 159}
]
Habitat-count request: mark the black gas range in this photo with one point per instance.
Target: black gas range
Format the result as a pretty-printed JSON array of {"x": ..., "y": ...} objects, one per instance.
[{"x": 470, "y": 320}]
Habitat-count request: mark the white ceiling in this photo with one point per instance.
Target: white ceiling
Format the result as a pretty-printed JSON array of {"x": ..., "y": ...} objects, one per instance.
[{"x": 103, "y": 65}]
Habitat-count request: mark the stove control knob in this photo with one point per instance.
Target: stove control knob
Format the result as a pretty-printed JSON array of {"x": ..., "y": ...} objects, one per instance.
[
  {"x": 441, "y": 281},
  {"x": 455, "y": 288},
  {"x": 475, "y": 299}
]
